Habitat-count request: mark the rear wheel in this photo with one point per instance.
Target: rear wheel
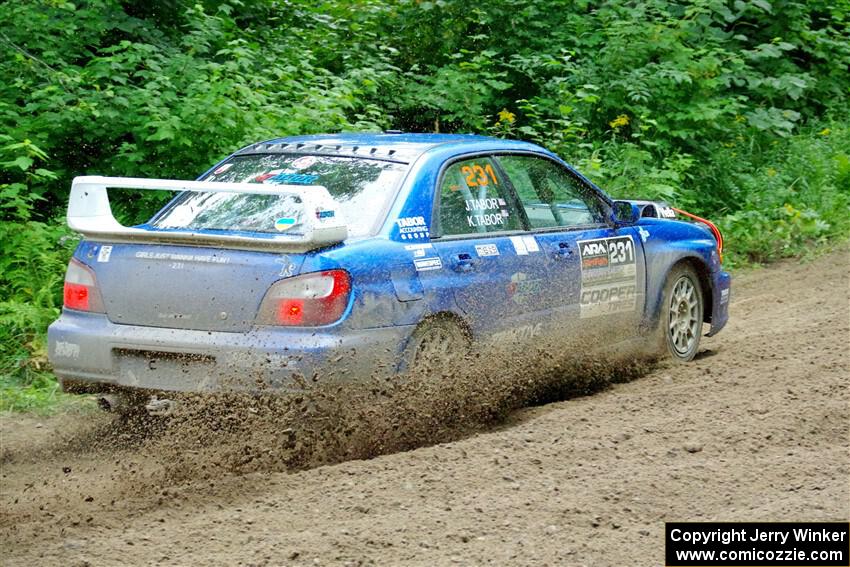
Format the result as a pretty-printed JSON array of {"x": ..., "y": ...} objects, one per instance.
[
  {"x": 682, "y": 313},
  {"x": 437, "y": 348}
]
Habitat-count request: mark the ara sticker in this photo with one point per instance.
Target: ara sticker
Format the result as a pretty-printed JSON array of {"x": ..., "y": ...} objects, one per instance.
[
  {"x": 484, "y": 250},
  {"x": 222, "y": 169},
  {"x": 425, "y": 264},
  {"x": 104, "y": 253},
  {"x": 284, "y": 224},
  {"x": 644, "y": 234},
  {"x": 608, "y": 276},
  {"x": 304, "y": 162}
]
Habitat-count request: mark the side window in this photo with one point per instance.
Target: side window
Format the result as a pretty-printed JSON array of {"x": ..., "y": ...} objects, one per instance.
[
  {"x": 473, "y": 199},
  {"x": 550, "y": 195}
]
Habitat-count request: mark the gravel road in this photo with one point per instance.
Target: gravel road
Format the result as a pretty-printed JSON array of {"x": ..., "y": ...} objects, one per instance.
[{"x": 755, "y": 429}]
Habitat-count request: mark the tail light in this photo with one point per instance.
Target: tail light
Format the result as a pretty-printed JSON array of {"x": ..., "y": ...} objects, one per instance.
[
  {"x": 718, "y": 236},
  {"x": 310, "y": 300},
  {"x": 81, "y": 292}
]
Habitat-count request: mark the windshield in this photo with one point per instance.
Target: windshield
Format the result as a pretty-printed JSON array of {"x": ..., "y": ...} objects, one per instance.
[{"x": 362, "y": 187}]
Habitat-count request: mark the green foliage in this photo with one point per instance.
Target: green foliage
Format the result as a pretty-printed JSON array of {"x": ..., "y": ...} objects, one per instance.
[{"x": 734, "y": 110}]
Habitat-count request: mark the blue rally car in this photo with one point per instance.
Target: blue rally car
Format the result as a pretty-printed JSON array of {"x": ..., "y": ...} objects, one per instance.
[{"x": 349, "y": 253}]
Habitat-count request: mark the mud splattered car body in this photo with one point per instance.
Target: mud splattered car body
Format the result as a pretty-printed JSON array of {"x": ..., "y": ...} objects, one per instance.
[{"x": 500, "y": 239}]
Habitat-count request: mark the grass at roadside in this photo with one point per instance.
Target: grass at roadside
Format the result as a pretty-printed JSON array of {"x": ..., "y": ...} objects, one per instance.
[{"x": 39, "y": 394}]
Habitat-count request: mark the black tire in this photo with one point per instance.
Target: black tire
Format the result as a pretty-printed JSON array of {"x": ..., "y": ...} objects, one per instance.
[
  {"x": 682, "y": 308},
  {"x": 437, "y": 348}
]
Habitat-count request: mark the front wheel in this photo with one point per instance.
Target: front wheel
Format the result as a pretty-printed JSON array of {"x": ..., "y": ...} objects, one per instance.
[{"x": 682, "y": 313}]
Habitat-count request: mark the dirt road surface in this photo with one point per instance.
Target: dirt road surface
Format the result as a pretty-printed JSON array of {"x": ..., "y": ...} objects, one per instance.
[{"x": 755, "y": 429}]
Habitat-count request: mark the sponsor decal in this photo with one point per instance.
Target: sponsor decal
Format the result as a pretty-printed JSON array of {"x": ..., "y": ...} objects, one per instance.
[
  {"x": 484, "y": 250},
  {"x": 67, "y": 350},
  {"x": 724, "y": 295},
  {"x": 303, "y": 162},
  {"x": 420, "y": 246},
  {"x": 518, "y": 334},
  {"x": 530, "y": 244},
  {"x": 644, "y": 234},
  {"x": 288, "y": 268},
  {"x": 204, "y": 258},
  {"x": 322, "y": 215},
  {"x": 666, "y": 212},
  {"x": 519, "y": 245},
  {"x": 104, "y": 253},
  {"x": 268, "y": 175},
  {"x": 293, "y": 179},
  {"x": 284, "y": 224},
  {"x": 608, "y": 276},
  {"x": 412, "y": 228},
  {"x": 523, "y": 290},
  {"x": 425, "y": 264},
  {"x": 222, "y": 169}
]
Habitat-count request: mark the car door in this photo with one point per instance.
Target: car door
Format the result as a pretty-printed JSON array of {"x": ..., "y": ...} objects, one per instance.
[
  {"x": 596, "y": 272},
  {"x": 493, "y": 266}
]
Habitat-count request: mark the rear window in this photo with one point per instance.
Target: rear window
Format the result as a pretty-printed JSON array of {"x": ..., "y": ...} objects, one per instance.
[{"x": 362, "y": 187}]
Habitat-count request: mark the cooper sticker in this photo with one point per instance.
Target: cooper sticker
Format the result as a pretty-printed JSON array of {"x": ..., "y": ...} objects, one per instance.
[
  {"x": 484, "y": 250},
  {"x": 608, "y": 276},
  {"x": 425, "y": 264},
  {"x": 104, "y": 253}
]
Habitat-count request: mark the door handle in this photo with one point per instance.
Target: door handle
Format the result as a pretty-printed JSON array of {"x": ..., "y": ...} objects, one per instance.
[
  {"x": 463, "y": 262},
  {"x": 563, "y": 251}
]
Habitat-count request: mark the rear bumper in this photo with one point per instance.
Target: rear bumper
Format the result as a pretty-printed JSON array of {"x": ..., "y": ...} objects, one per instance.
[
  {"x": 721, "y": 289},
  {"x": 90, "y": 353}
]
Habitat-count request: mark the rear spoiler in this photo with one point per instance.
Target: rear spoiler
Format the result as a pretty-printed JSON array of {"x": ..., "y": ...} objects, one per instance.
[{"x": 89, "y": 213}]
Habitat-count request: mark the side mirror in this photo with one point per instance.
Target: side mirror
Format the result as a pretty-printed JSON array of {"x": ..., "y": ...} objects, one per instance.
[{"x": 624, "y": 213}]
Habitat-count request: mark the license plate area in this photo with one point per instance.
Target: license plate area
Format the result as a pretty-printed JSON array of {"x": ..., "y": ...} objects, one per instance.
[{"x": 163, "y": 370}]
